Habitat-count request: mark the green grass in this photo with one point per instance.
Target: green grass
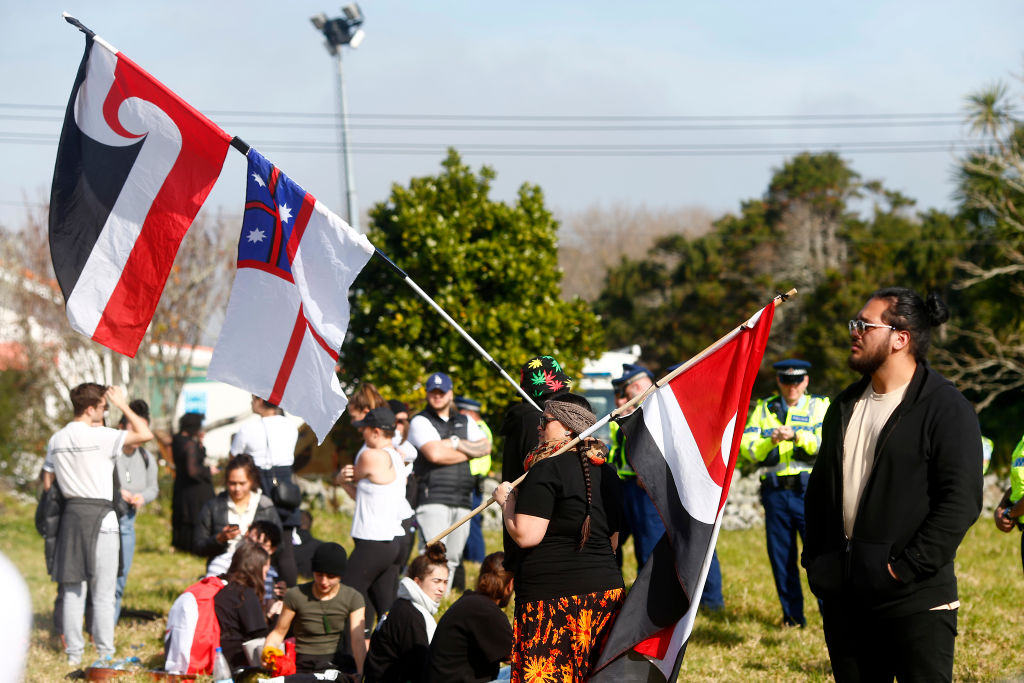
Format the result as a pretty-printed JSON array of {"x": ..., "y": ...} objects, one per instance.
[{"x": 744, "y": 643}]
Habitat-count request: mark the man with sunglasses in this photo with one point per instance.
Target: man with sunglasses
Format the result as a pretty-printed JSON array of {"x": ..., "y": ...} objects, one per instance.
[
  {"x": 895, "y": 487},
  {"x": 782, "y": 437}
]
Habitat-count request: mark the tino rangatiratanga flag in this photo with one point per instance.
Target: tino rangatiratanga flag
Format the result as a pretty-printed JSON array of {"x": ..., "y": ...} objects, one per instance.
[
  {"x": 682, "y": 442},
  {"x": 134, "y": 165},
  {"x": 289, "y": 311}
]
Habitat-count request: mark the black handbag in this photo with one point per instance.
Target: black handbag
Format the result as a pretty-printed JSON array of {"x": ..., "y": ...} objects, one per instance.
[{"x": 285, "y": 494}]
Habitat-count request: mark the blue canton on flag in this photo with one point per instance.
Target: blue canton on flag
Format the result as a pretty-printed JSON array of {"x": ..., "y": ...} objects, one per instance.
[{"x": 285, "y": 321}]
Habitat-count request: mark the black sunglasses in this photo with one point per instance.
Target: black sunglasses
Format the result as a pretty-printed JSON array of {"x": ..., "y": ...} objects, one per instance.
[{"x": 544, "y": 420}]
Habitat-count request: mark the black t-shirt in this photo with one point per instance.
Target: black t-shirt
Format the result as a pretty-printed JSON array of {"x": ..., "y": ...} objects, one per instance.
[
  {"x": 239, "y": 611},
  {"x": 471, "y": 640},
  {"x": 554, "y": 489}
]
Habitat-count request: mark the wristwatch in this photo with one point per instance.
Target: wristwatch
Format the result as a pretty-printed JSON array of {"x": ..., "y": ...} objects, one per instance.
[{"x": 455, "y": 442}]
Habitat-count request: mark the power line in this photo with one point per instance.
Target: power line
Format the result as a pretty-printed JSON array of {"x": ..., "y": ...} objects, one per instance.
[
  {"x": 551, "y": 117},
  {"x": 580, "y": 150}
]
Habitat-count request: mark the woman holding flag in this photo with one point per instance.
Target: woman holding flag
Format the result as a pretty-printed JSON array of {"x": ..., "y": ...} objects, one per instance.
[{"x": 565, "y": 516}]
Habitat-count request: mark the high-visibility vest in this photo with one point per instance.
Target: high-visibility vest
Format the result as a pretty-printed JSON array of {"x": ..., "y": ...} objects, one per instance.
[
  {"x": 481, "y": 467},
  {"x": 986, "y": 453},
  {"x": 787, "y": 457},
  {"x": 617, "y": 451},
  {"x": 1017, "y": 472}
]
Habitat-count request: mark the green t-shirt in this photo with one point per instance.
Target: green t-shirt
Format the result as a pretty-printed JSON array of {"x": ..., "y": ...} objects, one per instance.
[{"x": 319, "y": 624}]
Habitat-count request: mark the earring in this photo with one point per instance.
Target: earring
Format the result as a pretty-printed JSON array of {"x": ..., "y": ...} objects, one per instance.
[{"x": 568, "y": 433}]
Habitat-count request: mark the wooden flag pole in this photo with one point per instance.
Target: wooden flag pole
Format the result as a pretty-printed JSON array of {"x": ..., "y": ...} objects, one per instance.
[{"x": 778, "y": 299}]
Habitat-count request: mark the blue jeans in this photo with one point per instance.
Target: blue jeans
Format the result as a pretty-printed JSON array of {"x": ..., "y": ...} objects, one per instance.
[
  {"x": 712, "y": 598},
  {"x": 783, "y": 520},
  {"x": 127, "y": 524},
  {"x": 642, "y": 518}
]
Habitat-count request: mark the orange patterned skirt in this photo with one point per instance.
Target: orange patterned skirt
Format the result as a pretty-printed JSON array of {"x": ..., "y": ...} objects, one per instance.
[{"x": 558, "y": 640}]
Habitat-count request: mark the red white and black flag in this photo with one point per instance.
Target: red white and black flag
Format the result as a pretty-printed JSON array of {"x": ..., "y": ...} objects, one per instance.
[
  {"x": 682, "y": 442},
  {"x": 134, "y": 165}
]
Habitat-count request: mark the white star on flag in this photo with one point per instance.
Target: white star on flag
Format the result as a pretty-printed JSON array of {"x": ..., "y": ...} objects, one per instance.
[
  {"x": 286, "y": 213},
  {"x": 256, "y": 235},
  {"x": 259, "y": 181}
]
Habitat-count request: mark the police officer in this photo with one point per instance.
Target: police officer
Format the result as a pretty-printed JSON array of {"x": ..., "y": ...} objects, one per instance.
[
  {"x": 641, "y": 518},
  {"x": 479, "y": 468},
  {"x": 782, "y": 436}
]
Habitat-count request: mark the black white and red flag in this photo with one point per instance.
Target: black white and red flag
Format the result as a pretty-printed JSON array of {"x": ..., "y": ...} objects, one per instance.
[
  {"x": 134, "y": 166},
  {"x": 682, "y": 442}
]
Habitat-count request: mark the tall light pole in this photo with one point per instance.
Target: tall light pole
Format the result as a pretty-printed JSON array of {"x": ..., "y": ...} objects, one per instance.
[{"x": 339, "y": 32}]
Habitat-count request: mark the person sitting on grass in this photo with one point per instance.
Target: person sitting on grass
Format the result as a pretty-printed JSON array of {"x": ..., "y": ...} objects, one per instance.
[
  {"x": 239, "y": 605},
  {"x": 400, "y": 647},
  {"x": 326, "y": 617},
  {"x": 474, "y": 636}
]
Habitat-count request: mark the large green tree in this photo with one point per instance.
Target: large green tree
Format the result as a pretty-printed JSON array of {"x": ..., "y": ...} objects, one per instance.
[
  {"x": 988, "y": 359},
  {"x": 491, "y": 265},
  {"x": 803, "y": 233}
]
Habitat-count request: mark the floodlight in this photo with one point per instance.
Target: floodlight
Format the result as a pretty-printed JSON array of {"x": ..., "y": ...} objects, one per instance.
[
  {"x": 319, "y": 20},
  {"x": 353, "y": 13}
]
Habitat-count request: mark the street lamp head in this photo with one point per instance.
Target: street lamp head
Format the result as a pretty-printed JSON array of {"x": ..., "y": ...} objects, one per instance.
[
  {"x": 341, "y": 30},
  {"x": 354, "y": 14}
]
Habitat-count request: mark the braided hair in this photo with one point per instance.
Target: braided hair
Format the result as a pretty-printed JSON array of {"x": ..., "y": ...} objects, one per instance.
[
  {"x": 585, "y": 527},
  {"x": 574, "y": 412}
]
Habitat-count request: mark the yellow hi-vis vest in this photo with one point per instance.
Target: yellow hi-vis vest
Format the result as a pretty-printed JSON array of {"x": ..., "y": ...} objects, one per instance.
[
  {"x": 480, "y": 467},
  {"x": 1017, "y": 472},
  {"x": 617, "y": 451},
  {"x": 788, "y": 457}
]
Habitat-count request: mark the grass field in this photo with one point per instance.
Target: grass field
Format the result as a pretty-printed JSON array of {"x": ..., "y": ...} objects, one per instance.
[{"x": 745, "y": 643}]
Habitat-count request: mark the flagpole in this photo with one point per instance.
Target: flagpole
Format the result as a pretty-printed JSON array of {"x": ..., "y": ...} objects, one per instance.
[
  {"x": 776, "y": 300},
  {"x": 89, "y": 32}
]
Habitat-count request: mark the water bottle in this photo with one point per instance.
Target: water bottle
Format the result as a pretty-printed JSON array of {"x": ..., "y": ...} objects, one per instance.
[{"x": 221, "y": 668}]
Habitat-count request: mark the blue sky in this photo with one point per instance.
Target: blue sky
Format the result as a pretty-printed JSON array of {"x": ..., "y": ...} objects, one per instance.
[{"x": 531, "y": 58}]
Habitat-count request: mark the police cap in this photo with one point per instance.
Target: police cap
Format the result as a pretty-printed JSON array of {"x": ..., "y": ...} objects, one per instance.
[
  {"x": 791, "y": 370},
  {"x": 466, "y": 403},
  {"x": 631, "y": 373}
]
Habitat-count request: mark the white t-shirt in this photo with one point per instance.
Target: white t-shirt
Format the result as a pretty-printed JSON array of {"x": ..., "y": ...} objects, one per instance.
[
  {"x": 870, "y": 413},
  {"x": 422, "y": 432},
  {"x": 82, "y": 458},
  {"x": 255, "y": 434}
]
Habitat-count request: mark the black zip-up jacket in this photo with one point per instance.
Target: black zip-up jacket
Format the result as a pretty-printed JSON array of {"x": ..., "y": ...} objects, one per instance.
[{"x": 922, "y": 494}]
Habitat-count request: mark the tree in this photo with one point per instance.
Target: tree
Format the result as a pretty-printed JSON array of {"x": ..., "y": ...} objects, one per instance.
[
  {"x": 802, "y": 233},
  {"x": 592, "y": 241},
  {"x": 688, "y": 291},
  {"x": 986, "y": 356},
  {"x": 492, "y": 266}
]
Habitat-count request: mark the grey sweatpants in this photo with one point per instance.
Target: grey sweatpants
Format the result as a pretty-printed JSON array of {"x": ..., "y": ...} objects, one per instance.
[{"x": 102, "y": 586}]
